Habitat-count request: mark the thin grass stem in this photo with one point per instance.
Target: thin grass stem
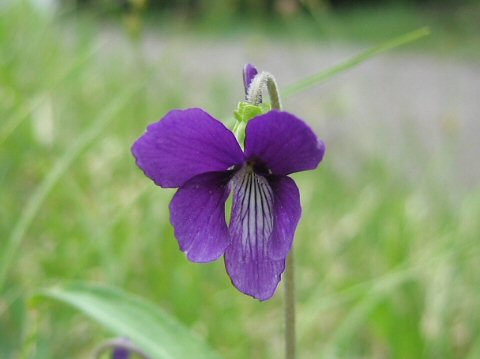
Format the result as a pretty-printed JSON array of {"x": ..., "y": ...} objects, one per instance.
[{"x": 323, "y": 76}]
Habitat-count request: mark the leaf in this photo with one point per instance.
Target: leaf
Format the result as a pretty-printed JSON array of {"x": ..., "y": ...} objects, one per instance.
[{"x": 150, "y": 328}]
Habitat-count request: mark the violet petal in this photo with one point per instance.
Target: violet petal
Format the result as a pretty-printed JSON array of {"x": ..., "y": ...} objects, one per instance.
[
  {"x": 120, "y": 353},
  {"x": 183, "y": 144},
  {"x": 249, "y": 72},
  {"x": 247, "y": 261},
  {"x": 287, "y": 212},
  {"x": 197, "y": 213},
  {"x": 283, "y": 143}
]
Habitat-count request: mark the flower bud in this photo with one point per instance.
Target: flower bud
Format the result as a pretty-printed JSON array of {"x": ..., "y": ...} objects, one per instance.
[{"x": 249, "y": 72}]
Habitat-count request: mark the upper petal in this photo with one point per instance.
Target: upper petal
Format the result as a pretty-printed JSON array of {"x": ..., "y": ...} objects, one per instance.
[
  {"x": 247, "y": 260},
  {"x": 183, "y": 144},
  {"x": 197, "y": 213},
  {"x": 249, "y": 72},
  {"x": 283, "y": 143}
]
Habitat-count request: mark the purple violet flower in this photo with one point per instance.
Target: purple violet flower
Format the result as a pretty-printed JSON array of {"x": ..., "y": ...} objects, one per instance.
[
  {"x": 120, "y": 353},
  {"x": 192, "y": 151}
]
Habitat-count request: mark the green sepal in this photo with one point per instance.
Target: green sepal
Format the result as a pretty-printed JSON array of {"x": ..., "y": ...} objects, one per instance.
[{"x": 246, "y": 111}]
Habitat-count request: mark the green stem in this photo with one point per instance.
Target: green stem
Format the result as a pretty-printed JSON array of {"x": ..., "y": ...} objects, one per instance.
[
  {"x": 290, "y": 337},
  {"x": 273, "y": 93},
  {"x": 262, "y": 80}
]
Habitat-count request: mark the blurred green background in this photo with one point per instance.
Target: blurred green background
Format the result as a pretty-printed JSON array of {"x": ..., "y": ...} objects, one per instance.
[{"x": 387, "y": 250}]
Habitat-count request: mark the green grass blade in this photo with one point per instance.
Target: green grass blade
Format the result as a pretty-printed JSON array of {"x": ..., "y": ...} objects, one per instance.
[
  {"x": 316, "y": 79},
  {"x": 148, "y": 326},
  {"x": 61, "y": 166},
  {"x": 353, "y": 321}
]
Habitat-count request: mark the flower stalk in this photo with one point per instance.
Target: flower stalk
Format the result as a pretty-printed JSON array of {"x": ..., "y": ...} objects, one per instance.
[
  {"x": 290, "y": 333},
  {"x": 259, "y": 82}
]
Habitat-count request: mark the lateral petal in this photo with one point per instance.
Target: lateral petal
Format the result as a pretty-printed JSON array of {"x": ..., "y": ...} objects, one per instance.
[{"x": 183, "y": 144}]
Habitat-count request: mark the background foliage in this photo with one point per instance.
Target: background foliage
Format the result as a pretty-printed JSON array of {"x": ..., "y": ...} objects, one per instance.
[{"x": 387, "y": 266}]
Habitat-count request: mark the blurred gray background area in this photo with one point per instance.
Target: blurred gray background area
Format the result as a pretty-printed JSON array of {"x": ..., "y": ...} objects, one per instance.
[{"x": 420, "y": 111}]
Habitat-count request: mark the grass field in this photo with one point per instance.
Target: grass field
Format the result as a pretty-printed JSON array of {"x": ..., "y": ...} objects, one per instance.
[{"x": 386, "y": 269}]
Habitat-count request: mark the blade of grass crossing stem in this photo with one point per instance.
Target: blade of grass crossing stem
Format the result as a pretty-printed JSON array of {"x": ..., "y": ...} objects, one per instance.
[
  {"x": 154, "y": 331},
  {"x": 60, "y": 167},
  {"x": 308, "y": 82}
]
